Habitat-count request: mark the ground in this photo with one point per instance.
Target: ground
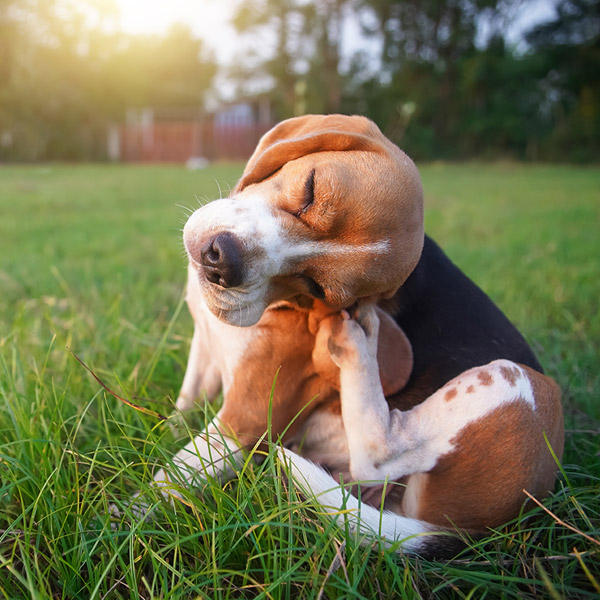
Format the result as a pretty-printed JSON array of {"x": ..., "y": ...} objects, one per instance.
[{"x": 91, "y": 258}]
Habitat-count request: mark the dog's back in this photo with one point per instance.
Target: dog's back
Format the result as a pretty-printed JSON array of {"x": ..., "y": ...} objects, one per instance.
[{"x": 452, "y": 326}]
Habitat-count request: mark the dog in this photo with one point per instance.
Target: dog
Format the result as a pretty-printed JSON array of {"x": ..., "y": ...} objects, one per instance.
[{"x": 391, "y": 367}]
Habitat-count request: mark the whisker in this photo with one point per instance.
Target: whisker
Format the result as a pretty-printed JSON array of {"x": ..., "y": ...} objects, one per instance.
[
  {"x": 186, "y": 208},
  {"x": 202, "y": 200},
  {"x": 219, "y": 188}
]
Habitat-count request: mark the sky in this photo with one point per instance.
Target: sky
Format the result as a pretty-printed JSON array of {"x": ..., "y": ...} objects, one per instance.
[{"x": 209, "y": 19}]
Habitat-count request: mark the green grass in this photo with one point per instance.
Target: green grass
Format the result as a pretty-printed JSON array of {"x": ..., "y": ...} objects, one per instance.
[{"x": 91, "y": 258}]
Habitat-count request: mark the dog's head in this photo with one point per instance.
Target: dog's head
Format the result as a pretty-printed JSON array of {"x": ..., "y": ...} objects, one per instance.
[{"x": 326, "y": 208}]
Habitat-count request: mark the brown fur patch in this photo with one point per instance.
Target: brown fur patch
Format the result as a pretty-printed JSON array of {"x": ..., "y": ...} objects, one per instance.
[
  {"x": 480, "y": 483},
  {"x": 485, "y": 378},
  {"x": 511, "y": 374},
  {"x": 451, "y": 393},
  {"x": 299, "y": 388},
  {"x": 334, "y": 407}
]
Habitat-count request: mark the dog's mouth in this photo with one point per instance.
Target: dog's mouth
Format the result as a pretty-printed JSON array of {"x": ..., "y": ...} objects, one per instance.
[
  {"x": 234, "y": 306},
  {"x": 244, "y": 304}
]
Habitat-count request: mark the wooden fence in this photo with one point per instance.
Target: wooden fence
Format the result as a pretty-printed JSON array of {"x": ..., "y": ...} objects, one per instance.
[{"x": 178, "y": 141}]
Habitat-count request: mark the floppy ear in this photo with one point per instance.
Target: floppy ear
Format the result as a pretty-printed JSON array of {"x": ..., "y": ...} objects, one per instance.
[
  {"x": 300, "y": 136},
  {"x": 394, "y": 355},
  {"x": 387, "y": 183}
]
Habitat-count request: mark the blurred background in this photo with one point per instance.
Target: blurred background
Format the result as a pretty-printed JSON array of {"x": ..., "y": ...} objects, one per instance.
[
  {"x": 190, "y": 81},
  {"x": 486, "y": 95}
]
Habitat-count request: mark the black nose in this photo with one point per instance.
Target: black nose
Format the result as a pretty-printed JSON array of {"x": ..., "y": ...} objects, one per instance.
[{"x": 221, "y": 260}]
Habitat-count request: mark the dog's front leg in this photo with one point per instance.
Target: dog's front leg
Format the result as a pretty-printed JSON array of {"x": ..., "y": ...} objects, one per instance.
[
  {"x": 203, "y": 372},
  {"x": 202, "y": 375},
  {"x": 381, "y": 442},
  {"x": 210, "y": 455}
]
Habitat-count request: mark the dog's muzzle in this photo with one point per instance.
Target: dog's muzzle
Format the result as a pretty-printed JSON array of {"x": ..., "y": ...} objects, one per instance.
[{"x": 221, "y": 260}]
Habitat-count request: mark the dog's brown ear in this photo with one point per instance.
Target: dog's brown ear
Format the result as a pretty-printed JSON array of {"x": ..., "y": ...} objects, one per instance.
[
  {"x": 300, "y": 136},
  {"x": 394, "y": 355}
]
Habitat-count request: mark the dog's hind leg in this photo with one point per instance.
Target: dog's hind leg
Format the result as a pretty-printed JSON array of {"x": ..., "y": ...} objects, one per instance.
[
  {"x": 393, "y": 443},
  {"x": 470, "y": 448},
  {"x": 408, "y": 534}
]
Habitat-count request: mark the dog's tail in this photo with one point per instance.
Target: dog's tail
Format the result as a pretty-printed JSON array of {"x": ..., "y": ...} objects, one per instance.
[{"x": 405, "y": 534}]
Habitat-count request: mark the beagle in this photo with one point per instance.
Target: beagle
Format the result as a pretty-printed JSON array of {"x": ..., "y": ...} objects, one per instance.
[{"x": 391, "y": 367}]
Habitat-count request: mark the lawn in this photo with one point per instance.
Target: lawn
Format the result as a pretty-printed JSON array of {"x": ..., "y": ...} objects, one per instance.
[{"x": 91, "y": 258}]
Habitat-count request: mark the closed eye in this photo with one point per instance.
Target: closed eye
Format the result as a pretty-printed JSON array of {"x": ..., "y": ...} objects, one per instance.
[
  {"x": 314, "y": 289},
  {"x": 308, "y": 197}
]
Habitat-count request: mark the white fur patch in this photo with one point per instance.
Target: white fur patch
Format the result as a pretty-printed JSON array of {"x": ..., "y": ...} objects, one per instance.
[
  {"x": 435, "y": 423},
  {"x": 209, "y": 454},
  {"x": 216, "y": 350},
  {"x": 304, "y": 250},
  {"x": 345, "y": 508},
  {"x": 396, "y": 443}
]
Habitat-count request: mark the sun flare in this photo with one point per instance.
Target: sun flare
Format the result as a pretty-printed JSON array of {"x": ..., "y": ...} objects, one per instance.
[{"x": 205, "y": 17}]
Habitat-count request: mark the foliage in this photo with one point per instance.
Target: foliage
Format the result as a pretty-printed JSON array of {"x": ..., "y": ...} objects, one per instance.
[
  {"x": 569, "y": 51},
  {"x": 66, "y": 73},
  {"x": 438, "y": 76},
  {"x": 448, "y": 95},
  {"x": 92, "y": 259},
  {"x": 303, "y": 70},
  {"x": 440, "y": 88}
]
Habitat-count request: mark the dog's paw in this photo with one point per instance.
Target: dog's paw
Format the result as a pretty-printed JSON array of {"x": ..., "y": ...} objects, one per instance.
[
  {"x": 135, "y": 510},
  {"x": 115, "y": 516},
  {"x": 353, "y": 337}
]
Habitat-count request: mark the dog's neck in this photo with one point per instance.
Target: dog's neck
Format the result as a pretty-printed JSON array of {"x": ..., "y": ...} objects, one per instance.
[
  {"x": 288, "y": 372},
  {"x": 278, "y": 381}
]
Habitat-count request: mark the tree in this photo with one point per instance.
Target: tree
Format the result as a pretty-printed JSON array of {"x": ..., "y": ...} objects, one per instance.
[
  {"x": 280, "y": 20},
  {"x": 169, "y": 71},
  {"x": 324, "y": 81},
  {"x": 423, "y": 45},
  {"x": 568, "y": 49},
  {"x": 65, "y": 76},
  {"x": 303, "y": 69}
]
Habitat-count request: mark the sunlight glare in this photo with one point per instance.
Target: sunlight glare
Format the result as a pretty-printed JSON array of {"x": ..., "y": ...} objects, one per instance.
[{"x": 206, "y": 18}]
